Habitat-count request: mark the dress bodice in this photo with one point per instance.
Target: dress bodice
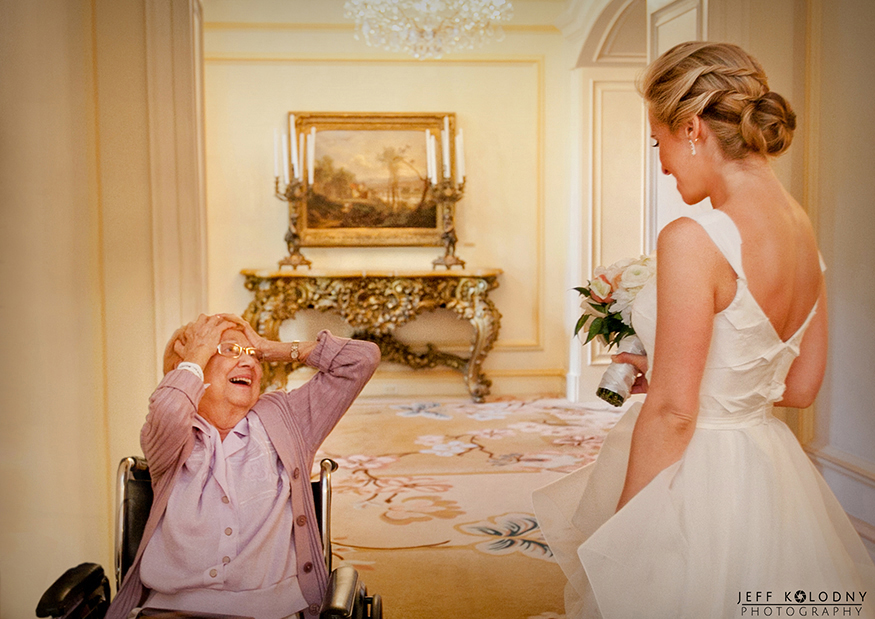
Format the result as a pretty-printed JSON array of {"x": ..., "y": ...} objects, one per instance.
[{"x": 748, "y": 362}]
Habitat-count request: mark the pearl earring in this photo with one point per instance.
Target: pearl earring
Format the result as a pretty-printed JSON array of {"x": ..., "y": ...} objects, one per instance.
[{"x": 693, "y": 147}]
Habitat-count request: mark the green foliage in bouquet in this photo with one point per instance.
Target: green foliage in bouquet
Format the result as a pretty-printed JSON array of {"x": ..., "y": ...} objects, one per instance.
[{"x": 603, "y": 324}]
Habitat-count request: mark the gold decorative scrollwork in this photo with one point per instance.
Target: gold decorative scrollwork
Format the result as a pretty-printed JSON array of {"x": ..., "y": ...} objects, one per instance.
[{"x": 374, "y": 305}]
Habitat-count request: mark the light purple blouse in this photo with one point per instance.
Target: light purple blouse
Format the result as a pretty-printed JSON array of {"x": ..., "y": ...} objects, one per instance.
[{"x": 224, "y": 544}]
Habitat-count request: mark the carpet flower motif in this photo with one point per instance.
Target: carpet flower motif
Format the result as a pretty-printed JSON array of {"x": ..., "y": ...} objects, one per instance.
[
  {"x": 421, "y": 509},
  {"x": 448, "y": 450},
  {"x": 421, "y": 409},
  {"x": 491, "y": 411},
  {"x": 494, "y": 434},
  {"x": 509, "y": 533},
  {"x": 360, "y": 462},
  {"x": 550, "y": 461}
]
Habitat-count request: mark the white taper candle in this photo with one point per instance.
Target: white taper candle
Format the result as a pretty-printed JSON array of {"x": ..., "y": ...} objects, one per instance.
[
  {"x": 460, "y": 157},
  {"x": 295, "y": 162},
  {"x": 445, "y": 146},
  {"x": 285, "y": 159},
  {"x": 428, "y": 155},
  {"x": 311, "y": 156},
  {"x": 299, "y": 173},
  {"x": 434, "y": 174},
  {"x": 276, "y": 153}
]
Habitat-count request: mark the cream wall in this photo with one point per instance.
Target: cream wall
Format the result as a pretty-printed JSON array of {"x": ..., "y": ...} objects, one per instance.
[
  {"x": 53, "y": 480},
  {"x": 77, "y": 278},
  {"x": 276, "y": 56},
  {"x": 841, "y": 185}
]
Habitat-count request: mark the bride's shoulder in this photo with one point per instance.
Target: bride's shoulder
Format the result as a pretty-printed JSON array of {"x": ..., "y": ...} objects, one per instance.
[
  {"x": 684, "y": 235},
  {"x": 687, "y": 253}
]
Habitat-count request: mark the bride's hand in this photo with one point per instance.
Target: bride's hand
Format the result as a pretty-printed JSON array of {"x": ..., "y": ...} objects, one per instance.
[{"x": 639, "y": 362}]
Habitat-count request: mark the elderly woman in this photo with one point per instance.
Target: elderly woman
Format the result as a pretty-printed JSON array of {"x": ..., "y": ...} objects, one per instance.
[{"x": 232, "y": 528}]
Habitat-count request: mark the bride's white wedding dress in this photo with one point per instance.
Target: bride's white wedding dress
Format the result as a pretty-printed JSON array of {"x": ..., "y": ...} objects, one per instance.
[{"x": 743, "y": 518}]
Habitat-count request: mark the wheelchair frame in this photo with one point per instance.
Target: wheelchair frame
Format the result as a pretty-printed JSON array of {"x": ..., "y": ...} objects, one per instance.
[{"x": 83, "y": 592}]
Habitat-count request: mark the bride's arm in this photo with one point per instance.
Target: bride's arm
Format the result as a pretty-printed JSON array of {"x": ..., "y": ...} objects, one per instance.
[
  {"x": 806, "y": 374},
  {"x": 686, "y": 285}
]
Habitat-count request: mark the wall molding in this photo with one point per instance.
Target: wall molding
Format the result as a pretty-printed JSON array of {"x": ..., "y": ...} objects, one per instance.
[
  {"x": 856, "y": 487},
  {"x": 350, "y": 27},
  {"x": 447, "y": 383},
  {"x": 847, "y": 464},
  {"x": 174, "y": 57},
  {"x": 578, "y": 20}
]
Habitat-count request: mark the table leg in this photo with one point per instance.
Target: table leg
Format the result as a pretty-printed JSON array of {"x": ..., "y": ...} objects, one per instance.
[{"x": 486, "y": 321}]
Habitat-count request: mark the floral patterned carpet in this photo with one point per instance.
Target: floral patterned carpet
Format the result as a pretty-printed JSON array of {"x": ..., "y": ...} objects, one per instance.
[{"x": 432, "y": 501}]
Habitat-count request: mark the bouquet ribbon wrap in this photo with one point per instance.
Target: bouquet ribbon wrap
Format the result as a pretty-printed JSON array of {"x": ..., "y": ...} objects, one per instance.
[{"x": 617, "y": 381}]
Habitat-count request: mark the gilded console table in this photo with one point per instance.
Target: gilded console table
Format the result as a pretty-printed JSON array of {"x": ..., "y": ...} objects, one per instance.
[{"x": 374, "y": 303}]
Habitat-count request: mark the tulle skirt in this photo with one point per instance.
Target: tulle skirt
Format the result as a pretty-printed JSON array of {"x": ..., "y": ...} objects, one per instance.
[{"x": 742, "y": 526}]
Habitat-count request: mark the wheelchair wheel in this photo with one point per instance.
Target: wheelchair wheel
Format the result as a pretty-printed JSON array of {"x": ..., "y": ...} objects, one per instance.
[{"x": 376, "y": 607}]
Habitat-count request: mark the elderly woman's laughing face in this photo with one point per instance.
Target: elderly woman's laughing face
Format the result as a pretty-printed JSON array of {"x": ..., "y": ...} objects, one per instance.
[{"x": 234, "y": 382}]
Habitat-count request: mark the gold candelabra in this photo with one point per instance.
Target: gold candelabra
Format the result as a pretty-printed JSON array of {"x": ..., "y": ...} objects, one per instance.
[
  {"x": 446, "y": 194},
  {"x": 295, "y": 194}
]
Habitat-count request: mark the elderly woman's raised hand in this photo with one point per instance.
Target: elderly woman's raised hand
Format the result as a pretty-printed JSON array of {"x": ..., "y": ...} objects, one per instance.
[
  {"x": 198, "y": 340},
  {"x": 271, "y": 350},
  {"x": 251, "y": 334}
]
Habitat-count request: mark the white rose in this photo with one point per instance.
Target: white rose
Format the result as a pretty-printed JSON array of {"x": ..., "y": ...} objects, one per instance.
[
  {"x": 615, "y": 270},
  {"x": 600, "y": 289},
  {"x": 622, "y": 302},
  {"x": 635, "y": 276}
]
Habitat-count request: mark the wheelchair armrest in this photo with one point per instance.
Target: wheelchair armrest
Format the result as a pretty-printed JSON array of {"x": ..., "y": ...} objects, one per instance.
[
  {"x": 340, "y": 597},
  {"x": 71, "y": 588}
]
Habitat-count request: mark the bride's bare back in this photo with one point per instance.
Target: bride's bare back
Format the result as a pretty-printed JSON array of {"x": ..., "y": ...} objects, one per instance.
[{"x": 779, "y": 257}]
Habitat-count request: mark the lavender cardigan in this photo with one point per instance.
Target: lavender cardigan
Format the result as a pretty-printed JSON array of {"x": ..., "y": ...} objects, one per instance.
[{"x": 296, "y": 422}]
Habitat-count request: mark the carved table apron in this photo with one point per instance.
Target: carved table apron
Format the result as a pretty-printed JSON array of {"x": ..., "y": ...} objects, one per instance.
[{"x": 374, "y": 304}]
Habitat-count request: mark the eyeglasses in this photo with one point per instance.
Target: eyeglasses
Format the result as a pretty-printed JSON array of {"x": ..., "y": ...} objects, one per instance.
[{"x": 234, "y": 350}]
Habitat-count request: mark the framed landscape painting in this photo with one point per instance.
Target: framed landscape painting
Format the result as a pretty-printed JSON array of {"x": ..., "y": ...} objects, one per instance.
[{"x": 369, "y": 176}]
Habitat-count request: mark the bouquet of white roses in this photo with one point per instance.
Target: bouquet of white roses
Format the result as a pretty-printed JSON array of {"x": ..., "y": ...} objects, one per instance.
[{"x": 607, "y": 308}]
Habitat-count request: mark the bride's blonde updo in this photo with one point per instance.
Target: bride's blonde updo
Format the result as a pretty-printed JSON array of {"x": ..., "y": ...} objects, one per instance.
[{"x": 728, "y": 89}]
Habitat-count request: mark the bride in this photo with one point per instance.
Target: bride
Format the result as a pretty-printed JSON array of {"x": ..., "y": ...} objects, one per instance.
[{"x": 701, "y": 503}]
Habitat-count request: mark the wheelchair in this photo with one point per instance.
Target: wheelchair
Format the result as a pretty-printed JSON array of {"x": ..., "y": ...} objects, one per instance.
[{"x": 83, "y": 592}]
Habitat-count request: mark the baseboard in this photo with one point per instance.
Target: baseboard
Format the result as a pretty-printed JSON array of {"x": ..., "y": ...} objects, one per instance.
[
  {"x": 572, "y": 386},
  {"x": 403, "y": 382},
  {"x": 852, "y": 479}
]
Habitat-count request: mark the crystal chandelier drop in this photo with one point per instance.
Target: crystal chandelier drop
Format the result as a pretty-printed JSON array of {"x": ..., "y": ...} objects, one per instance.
[{"x": 429, "y": 28}]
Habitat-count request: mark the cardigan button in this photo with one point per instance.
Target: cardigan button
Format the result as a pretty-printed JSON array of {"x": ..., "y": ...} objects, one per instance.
[
  {"x": 314, "y": 609},
  {"x": 308, "y": 567},
  {"x": 296, "y": 473},
  {"x": 301, "y": 521}
]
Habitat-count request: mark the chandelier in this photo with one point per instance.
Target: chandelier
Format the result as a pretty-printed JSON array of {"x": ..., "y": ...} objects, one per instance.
[{"x": 428, "y": 28}]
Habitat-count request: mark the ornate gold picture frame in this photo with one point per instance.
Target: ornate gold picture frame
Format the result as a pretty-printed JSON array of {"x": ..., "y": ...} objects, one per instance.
[{"x": 368, "y": 178}]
